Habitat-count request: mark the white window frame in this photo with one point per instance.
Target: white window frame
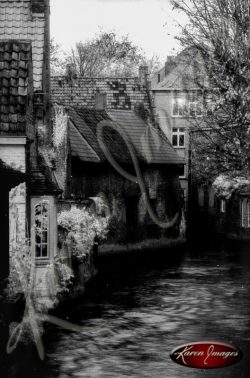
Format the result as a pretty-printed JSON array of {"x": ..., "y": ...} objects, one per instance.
[
  {"x": 248, "y": 213},
  {"x": 178, "y": 134},
  {"x": 44, "y": 220},
  {"x": 181, "y": 103},
  {"x": 245, "y": 213},
  {"x": 223, "y": 206},
  {"x": 52, "y": 229},
  {"x": 195, "y": 104},
  {"x": 184, "y": 169}
]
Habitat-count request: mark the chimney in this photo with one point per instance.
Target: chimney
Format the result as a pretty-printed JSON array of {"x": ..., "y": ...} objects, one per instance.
[
  {"x": 143, "y": 74},
  {"x": 38, "y": 6},
  {"x": 70, "y": 71},
  {"x": 170, "y": 64}
]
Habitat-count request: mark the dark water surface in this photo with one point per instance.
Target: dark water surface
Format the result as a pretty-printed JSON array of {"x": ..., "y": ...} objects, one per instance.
[{"x": 138, "y": 311}]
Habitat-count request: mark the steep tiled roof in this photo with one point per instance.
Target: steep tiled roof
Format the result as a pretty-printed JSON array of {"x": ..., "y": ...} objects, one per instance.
[
  {"x": 122, "y": 93},
  {"x": 40, "y": 179},
  {"x": 150, "y": 145},
  {"x": 79, "y": 146},
  {"x": 188, "y": 72},
  {"x": 18, "y": 23},
  {"x": 15, "y": 64}
]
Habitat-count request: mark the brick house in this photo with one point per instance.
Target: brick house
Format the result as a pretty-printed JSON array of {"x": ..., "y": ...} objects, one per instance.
[
  {"x": 28, "y": 192},
  {"x": 125, "y": 102},
  {"x": 176, "y": 91}
]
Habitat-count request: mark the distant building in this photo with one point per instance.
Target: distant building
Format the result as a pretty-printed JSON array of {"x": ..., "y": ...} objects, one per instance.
[
  {"x": 125, "y": 102},
  {"x": 176, "y": 92}
]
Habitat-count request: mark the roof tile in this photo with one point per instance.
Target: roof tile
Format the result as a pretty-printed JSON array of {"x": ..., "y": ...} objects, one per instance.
[
  {"x": 122, "y": 93},
  {"x": 18, "y": 23},
  {"x": 151, "y": 146},
  {"x": 14, "y": 85}
]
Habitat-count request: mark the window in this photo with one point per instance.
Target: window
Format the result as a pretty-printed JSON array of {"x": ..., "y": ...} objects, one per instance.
[
  {"x": 179, "y": 108},
  {"x": 195, "y": 109},
  {"x": 245, "y": 213},
  {"x": 178, "y": 137},
  {"x": 42, "y": 229},
  {"x": 222, "y": 206},
  {"x": 181, "y": 170},
  {"x": 248, "y": 213}
]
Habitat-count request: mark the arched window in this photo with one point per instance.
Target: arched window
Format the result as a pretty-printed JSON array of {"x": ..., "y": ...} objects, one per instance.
[{"x": 42, "y": 229}]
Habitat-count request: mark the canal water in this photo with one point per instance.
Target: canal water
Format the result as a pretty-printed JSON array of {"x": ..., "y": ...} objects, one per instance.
[{"x": 139, "y": 309}]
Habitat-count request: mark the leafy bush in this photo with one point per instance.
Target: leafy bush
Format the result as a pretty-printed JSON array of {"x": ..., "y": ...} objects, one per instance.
[
  {"x": 83, "y": 229},
  {"x": 20, "y": 267}
]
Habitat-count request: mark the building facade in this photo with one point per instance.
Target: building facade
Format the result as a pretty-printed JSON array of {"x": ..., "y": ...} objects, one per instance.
[
  {"x": 28, "y": 192},
  {"x": 176, "y": 92}
]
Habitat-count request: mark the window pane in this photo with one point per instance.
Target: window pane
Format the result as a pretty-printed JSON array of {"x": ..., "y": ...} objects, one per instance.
[
  {"x": 174, "y": 140},
  {"x": 175, "y": 109},
  {"x": 181, "y": 140},
  {"x": 44, "y": 250},
  {"x": 198, "y": 109},
  {"x": 192, "y": 109},
  {"x": 44, "y": 236},
  {"x": 181, "y": 170},
  {"x": 181, "y": 109},
  {"x": 41, "y": 228}
]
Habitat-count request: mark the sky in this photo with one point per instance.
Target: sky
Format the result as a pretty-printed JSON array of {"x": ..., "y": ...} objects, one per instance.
[{"x": 150, "y": 24}]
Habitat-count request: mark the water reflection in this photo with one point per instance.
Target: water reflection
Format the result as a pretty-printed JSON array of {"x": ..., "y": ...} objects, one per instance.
[{"x": 134, "y": 316}]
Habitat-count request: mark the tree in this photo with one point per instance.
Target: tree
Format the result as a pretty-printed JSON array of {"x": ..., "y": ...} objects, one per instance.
[
  {"x": 219, "y": 31},
  {"x": 109, "y": 55},
  {"x": 57, "y": 58}
]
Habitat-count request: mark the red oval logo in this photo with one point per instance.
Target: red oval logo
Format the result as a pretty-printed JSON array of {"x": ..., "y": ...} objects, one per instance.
[{"x": 206, "y": 355}]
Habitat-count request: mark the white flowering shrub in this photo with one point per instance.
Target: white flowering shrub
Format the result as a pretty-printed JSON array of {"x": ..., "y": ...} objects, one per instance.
[
  {"x": 83, "y": 229},
  {"x": 20, "y": 267},
  {"x": 59, "y": 126},
  {"x": 225, "y": 186}
]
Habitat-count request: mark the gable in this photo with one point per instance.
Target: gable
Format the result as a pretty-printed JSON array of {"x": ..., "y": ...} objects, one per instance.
[{"x": 188, "y": 73}]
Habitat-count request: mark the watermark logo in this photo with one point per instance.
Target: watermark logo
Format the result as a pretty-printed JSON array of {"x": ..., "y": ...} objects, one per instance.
[{"x": 206, "y": 355}]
